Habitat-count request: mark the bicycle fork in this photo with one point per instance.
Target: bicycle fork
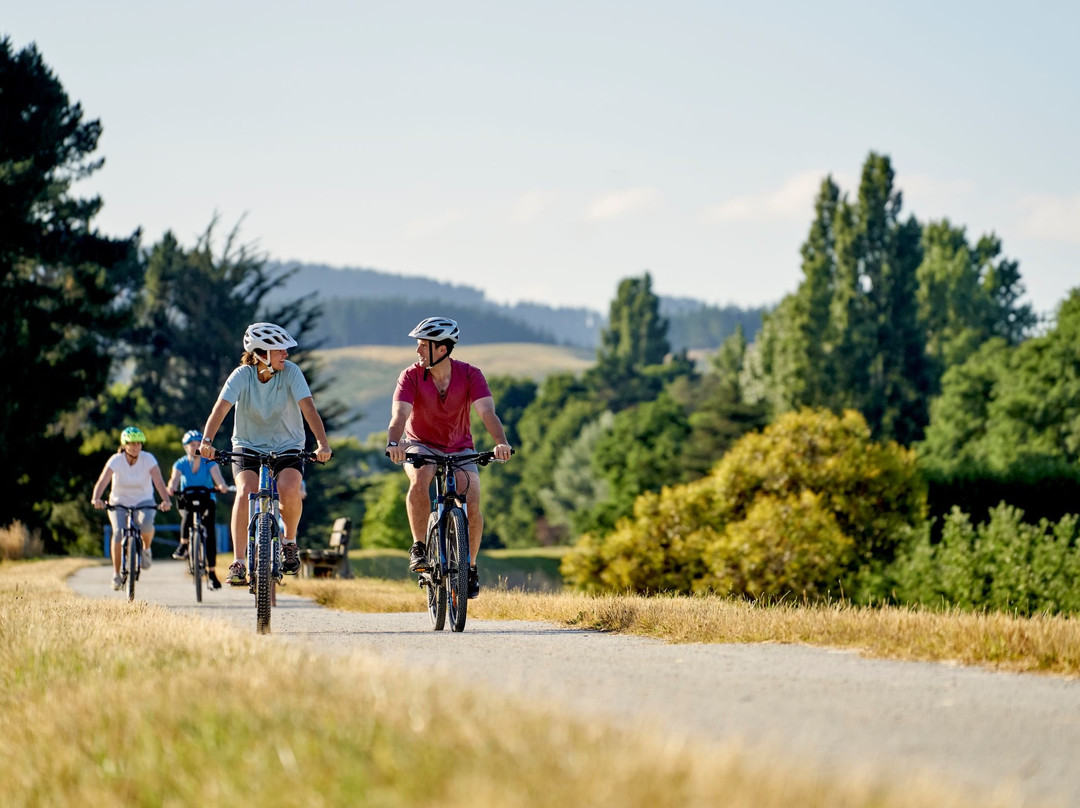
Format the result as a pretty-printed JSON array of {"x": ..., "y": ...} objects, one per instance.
[{"x": 258, "y": 504}]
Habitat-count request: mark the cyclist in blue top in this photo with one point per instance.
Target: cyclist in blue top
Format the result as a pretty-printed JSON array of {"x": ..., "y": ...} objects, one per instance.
[
  {"x": 272, "y": 401},
  {"x": 193, "y": 470}
]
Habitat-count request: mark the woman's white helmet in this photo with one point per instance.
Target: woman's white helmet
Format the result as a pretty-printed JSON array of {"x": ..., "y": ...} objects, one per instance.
[
  {"x": 436, "y": 329},
  {"x": 268, "y": 337}
]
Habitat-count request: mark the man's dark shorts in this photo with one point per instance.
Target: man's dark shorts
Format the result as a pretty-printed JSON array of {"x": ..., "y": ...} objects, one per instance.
[{"x": 248, "y": 463}]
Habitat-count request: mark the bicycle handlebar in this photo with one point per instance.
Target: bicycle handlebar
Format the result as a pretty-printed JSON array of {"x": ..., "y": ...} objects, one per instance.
[
  {"x": 110, "y": 507},
  {"x": 451, "y": 461},
  {"x": 229, "y": 455}
]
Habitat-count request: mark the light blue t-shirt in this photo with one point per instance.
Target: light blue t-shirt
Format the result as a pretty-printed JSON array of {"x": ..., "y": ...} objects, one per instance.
[{"x": 267, "y": 417}]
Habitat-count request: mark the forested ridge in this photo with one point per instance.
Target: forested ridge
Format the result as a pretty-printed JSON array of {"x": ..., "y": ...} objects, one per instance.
[
  {"x": 852, "y": 444},
  {"x": 362, "y": 306}
]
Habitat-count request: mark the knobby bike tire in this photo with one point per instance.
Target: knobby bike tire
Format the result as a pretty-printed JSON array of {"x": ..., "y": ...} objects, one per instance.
[
  {"x": 196, "y": 552},
  {"x": 134, "y": 547},
  {"x": 436, "y": 588},
  {"x": 263, "y": 574},
  {"x": 457, "y": 572}
]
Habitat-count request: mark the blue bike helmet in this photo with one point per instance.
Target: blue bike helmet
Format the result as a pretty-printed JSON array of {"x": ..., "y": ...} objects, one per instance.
[{"x": 192, "y": 435}]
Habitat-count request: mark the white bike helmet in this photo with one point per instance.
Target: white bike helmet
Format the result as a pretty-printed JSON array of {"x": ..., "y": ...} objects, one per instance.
[
  {"x": 436, "y": 329},
  {"x": 267, "y": 336}
]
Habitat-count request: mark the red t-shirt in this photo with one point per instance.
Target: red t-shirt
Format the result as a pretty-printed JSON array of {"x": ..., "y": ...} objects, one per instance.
[{"x": 441, "y": 422}]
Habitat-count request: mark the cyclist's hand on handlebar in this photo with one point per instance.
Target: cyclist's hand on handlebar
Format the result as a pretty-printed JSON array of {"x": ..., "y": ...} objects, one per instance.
[
  {"x": 503, "y": 452},
  {"x": 396, "y": 453},
  {"x": 98, "y": 503},
  {"x": 164, "y": 506},
  {"x": 208, "y": 451},
  {"x": 323, "y": 453}
]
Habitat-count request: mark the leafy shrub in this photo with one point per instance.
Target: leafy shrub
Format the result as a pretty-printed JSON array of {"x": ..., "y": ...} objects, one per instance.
[
  {"x": 386, "y": 522},
  {"x": 659, "y": 549},
  {"x": 789, "y": 544},
  {"x": 809, "y": 500},
  {"x": 1003, "y": 564}
]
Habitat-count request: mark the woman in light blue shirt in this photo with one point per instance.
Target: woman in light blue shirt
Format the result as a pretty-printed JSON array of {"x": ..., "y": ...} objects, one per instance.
[{"x": 272, "y": 401}]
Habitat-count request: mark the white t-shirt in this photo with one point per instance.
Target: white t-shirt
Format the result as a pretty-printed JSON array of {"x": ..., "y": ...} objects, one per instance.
[{"x": 131, "y": 484}]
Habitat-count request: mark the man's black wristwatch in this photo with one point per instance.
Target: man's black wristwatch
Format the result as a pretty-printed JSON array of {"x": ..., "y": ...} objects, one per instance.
[{"x": 390, "y": 443}]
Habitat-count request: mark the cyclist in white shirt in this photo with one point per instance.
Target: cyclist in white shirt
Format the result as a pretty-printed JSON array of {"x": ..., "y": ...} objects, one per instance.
[{"x": 134, "y": 475}]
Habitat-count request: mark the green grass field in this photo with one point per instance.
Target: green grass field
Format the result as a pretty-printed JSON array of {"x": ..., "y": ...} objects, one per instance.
[{"x": 533, "y": 570}]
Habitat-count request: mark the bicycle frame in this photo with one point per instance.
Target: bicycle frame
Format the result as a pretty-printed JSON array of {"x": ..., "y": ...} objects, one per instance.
[
  {"x": 265, "y": 528},
  {"x": 449, "y": 555},
  {"x": 130, "y": 546},
  {"x": 194, "y": 499}
]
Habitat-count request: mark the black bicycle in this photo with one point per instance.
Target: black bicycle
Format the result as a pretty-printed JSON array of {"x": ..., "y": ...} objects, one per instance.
[
  {"x": 195, "y": 499},
  {"x": 130, "y": 546},
  {"x": 448, "y": 558},
  {"x": 264, "y": 530}
]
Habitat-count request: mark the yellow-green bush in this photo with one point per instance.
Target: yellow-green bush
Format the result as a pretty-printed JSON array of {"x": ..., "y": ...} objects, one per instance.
[
  {"x": 809, "y": 501},
  {"x": 784, "y": 545}
]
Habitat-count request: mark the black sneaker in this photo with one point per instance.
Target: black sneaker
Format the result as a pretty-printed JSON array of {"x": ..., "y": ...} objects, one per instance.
[
  {"x": 291, "y": 565},
  {"x": 418, "y": 557},
  {"x": 214, "y": 582},
  {"x": 181, "y": 552},
  {"x": 474, "y": 583}
]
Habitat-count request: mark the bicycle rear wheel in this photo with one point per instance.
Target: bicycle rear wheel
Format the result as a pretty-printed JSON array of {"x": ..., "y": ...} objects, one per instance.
[
  {"x": 457, "y": 572},
  {"x": 134, "y": 546},
  {"x": 263, "y": 576},
  {"x": 436, "y": 586},
  {"x": 198, "y": 558}
]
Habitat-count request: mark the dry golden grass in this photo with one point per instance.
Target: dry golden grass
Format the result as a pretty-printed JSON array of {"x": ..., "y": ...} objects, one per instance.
[
  {"x": 107, "y": 703},
  {"x": 1040, "y": 644},
  {"x": 17, "y": 542}
]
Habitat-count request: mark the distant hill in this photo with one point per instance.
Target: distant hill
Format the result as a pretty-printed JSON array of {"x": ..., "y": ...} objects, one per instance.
[
  {"x": 369, "y": 307},
  {"x": 341, "y": 289}
]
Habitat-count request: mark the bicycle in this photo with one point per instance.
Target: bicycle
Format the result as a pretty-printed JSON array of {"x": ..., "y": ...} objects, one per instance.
[
  {"x": 448, "y": 555},
  {"x": 195, "y": 499},
  {"x": 265, "y": 529},
  {"x": 130, "y": 546}
]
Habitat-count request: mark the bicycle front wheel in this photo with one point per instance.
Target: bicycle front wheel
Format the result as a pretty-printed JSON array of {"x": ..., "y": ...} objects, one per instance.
[
  {"x": 457, "y": 572},
  {"x": 263, "y": 574},
  {"x": 436, "y": 586},
  {"x": 134, "y": 546},
  {"x": 197, "y": 552}
]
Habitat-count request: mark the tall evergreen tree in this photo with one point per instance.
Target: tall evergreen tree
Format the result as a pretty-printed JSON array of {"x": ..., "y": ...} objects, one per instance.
[
  {"x": 880, "y": 271},
  {"x": 62, "y": 283},
  {"x": 635, "y": 333},
  {"x": 191, "y": 316}
]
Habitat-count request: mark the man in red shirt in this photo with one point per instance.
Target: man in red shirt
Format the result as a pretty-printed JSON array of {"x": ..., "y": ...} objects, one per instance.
[{"x": 430, "y": 415}]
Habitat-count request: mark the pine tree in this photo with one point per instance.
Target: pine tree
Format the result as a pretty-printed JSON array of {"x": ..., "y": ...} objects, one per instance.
[{"x": 63, "y": 286}]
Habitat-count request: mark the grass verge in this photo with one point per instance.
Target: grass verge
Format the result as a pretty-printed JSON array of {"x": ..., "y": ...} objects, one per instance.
[
  {"x": 1039, "y": 644},
  {"x": 105, "y": 703}
]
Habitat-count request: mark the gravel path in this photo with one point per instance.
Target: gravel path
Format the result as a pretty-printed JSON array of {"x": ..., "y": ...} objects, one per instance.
[{"x": 831, "y": 710}]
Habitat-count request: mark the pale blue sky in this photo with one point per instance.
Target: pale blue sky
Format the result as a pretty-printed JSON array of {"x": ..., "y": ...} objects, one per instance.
[{"x": 545, "y": 150}]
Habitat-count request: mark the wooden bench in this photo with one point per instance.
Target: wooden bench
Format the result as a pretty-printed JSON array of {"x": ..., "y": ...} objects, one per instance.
[{"x": 333, "y": 561}]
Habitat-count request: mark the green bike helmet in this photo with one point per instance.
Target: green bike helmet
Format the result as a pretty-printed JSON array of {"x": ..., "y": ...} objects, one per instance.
[{"x": 132, "y": 435}]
